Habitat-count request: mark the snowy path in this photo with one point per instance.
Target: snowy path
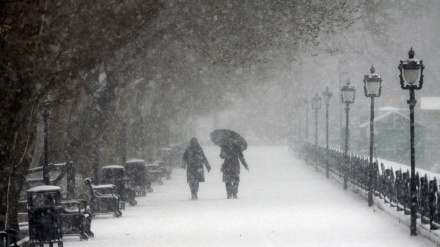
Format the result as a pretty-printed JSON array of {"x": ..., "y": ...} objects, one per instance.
[{"x": 281, "y": 202}]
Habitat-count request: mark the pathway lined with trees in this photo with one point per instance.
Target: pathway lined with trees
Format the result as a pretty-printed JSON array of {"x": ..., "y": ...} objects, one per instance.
[{"x": 281, "y": 202}]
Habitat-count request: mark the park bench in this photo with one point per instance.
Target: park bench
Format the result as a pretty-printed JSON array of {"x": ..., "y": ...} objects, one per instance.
[
  {"x": 103, "y": 203},
  {"x": 135, "y": 170},
  {"x": 166, "y": 159},
  {"x": 176, "y": 154},
  {"x": 164, "y": 168},
  {"x": 165, "y": 154},
  {"x": 114, "y": 174},
  {"x": 75, "y": 218},
  {"x": 8, "y": 238},
  {"x": 154, "y": 172}
]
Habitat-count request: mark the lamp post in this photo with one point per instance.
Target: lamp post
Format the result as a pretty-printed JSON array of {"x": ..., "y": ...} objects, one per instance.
[
  {"x": 299, "y": 104},
  {"x": 411, "y": 70},
  {"x": 124, "y": 144},
  {"x": 306, "y": 103},
  {"x": 347, "y": 97},
  {"x": 327, "y": 94},
  {"x": 316, "y": 105},
  {"x": 372, "y": 88},
  {"x": 46, "y": 178}
]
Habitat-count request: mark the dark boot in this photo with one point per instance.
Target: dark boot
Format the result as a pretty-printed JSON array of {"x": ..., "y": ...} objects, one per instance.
[
  {"x": 235, "y": 190},
  {"x": 194, "y": 187},
  {"x": 229, "y": 190}
]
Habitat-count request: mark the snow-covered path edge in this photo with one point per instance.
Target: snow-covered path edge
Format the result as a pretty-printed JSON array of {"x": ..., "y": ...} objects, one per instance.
[
  {"x": 283, "y": 202},
  {"x": 379, "y": 204}
]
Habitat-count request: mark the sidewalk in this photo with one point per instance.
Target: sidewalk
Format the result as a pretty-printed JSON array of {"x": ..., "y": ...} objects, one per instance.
[{"x": 281, "y": 202}]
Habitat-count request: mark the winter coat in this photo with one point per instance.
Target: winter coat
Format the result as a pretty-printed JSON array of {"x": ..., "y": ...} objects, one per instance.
[
  {"x": 194, "y": 158},
  {"x": 231, "y": 165}
]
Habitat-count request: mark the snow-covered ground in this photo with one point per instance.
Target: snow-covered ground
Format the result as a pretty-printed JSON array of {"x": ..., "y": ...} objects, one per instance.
[{"x": 281, "y": 202}]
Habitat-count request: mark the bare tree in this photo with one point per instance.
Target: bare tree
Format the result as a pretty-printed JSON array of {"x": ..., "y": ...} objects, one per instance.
[{"x": 44, "y": 50}]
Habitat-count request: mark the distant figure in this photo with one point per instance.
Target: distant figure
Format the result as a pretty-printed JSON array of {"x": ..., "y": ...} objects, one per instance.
[
  {"x": 193, "y": 159},
  {"x": 231, "y": 168}
]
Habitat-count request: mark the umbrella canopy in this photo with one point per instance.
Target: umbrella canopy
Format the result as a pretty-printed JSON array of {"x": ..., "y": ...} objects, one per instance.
[{"x": 221, "y": 137}]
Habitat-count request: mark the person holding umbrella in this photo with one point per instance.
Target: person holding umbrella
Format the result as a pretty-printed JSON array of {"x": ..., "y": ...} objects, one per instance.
[
  {"x": 232, "y": 155},
  {"x": 193, "y": 159},
  {"x": 232, "y": 146}
]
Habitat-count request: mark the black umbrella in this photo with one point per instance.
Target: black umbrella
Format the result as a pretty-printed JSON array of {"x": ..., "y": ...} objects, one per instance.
[{"x": 221, "y": 138}]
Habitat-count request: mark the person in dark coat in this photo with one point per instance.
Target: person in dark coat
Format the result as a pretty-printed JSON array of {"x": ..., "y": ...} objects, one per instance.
[
  {"x": 232, "y": 155},
  {"x": 194, "y": 158}
]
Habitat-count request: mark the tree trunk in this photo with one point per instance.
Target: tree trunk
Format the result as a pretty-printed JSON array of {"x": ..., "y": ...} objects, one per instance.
[{"x": 16, "y": 142}]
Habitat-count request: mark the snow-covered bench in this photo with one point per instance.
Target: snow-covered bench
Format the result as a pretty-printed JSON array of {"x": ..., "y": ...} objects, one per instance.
[{"x": 104, "y": 202}]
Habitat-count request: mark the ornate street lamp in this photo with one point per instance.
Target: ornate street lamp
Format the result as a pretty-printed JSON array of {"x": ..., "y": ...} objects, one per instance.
[
  {"x": 46, "y": 178},
  {"x": 327, "y": 94},
  {"x": 411, "y": 71},
  {"x": 347, "y": 97},
  {"x": 124, "y": 144},
  {"x": 316, "y": 105},
  {"x": 372, "y": 88}
]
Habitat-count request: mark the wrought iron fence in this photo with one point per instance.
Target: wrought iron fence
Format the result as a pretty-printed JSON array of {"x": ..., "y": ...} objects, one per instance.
[{"x": 391, "y": 186}]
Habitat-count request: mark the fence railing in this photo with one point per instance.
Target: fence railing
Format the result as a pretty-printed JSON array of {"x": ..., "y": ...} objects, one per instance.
[
  {"x": 57, "y": 173},
  {"x": 391, "y": 186}
]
